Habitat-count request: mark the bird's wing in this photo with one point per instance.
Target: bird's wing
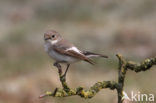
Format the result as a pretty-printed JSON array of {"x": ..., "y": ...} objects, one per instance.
[{"x": 72, "y": 51}]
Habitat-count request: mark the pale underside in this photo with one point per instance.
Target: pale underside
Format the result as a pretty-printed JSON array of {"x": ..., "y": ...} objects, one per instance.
[{"x": 61, "y": 57}]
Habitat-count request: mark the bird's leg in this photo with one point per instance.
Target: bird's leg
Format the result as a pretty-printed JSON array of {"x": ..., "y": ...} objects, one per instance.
[
  {"x": 66, "y": 70},
  {"x": 64, "y": 75},
  {"x": 59, "y": 67}
]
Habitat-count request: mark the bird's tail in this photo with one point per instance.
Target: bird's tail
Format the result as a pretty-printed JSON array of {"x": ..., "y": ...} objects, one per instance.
[
  {"x": 89, "y": 61},
  {"x": 90, "y": 54}
]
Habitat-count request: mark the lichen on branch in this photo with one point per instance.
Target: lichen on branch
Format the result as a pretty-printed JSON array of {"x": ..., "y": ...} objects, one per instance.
[
  {"x": 143, "y": 66},
  {"x": 81, "y": 91},
  {"x": 124, "y": 65}
]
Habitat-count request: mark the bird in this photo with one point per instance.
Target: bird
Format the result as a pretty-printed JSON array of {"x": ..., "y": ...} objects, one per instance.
[{"x": 63, "y": 51}]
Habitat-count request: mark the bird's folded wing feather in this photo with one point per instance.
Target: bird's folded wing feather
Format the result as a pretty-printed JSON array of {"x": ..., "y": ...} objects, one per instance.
[{"x": 74, "y": 52}]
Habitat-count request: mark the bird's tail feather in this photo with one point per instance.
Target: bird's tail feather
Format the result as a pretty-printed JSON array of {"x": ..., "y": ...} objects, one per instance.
[
  {"x": 90, "y": 54},
  {"x": 89, "y": 61}
]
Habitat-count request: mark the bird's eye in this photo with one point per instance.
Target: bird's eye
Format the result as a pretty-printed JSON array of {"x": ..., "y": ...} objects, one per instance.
[{"x": 53, "y": 36}]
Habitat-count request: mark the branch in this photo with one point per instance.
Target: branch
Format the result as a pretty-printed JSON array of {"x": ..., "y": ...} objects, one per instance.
[
  {"x": 121, "y": 76},
  {"x": 80, "y": 91},
  {"x": 124, "y": 65},
  {"x": 143, "y": 66}
]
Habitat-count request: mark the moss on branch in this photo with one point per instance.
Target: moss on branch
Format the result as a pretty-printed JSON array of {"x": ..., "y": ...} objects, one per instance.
[
  {"x": 143, "y": 66},
  {"x": 124, "y": 65},
  {"x": 81, "y": 91}
]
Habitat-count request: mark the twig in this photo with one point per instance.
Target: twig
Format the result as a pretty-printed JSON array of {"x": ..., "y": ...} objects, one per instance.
[
  {"x": 121, "y": 76},
  {"x": 124, "y": 65}
]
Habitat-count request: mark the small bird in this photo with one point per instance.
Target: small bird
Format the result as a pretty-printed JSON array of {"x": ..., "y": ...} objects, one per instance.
[{"x": 63, "y": 51}]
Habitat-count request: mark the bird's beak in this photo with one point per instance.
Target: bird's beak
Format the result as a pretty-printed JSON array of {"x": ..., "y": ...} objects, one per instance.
[{"x": 47, "y": 37}]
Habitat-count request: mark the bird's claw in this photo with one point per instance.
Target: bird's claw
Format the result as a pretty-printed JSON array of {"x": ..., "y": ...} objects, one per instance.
[{"x": 59, "y": 67}]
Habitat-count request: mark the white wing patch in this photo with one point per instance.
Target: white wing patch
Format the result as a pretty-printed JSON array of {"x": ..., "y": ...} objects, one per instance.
[{"x": 74, "y": 49}]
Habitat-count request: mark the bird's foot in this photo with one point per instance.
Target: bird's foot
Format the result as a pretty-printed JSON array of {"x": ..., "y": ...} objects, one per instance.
[{"x": 59, "y": 67}]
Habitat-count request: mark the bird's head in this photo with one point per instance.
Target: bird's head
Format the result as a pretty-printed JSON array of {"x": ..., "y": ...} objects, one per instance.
[{"x": 52, "y": 36}]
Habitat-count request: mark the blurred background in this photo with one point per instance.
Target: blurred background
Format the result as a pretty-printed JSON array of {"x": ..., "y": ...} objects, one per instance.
[{"x": 108, "y": 27}]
